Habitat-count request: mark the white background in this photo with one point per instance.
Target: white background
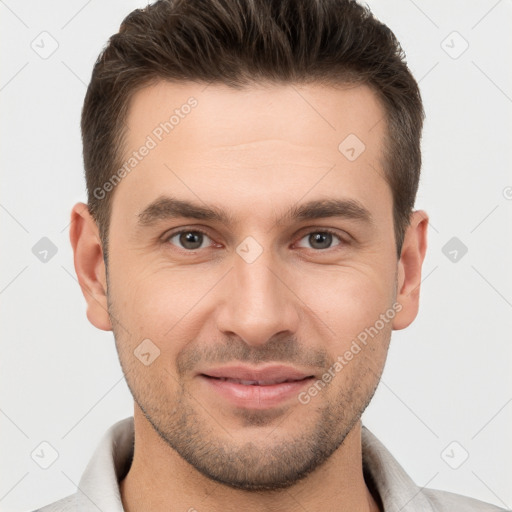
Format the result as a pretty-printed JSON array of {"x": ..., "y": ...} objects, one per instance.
[{"x": 447, "y": 377}]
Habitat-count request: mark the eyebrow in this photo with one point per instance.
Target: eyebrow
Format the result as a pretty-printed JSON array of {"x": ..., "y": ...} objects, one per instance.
[{"x": 167, "y": 207}]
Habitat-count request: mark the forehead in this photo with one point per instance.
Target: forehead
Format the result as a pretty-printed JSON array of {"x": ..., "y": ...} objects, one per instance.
[
  {"x": 291, "y": 112},
  {"x": 259, "y": 143}
]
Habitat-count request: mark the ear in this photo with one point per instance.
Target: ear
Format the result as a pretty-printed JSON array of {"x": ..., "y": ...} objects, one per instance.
[
  {"x": 409, "y": 269},
  {"x": 89, "y": 265}
]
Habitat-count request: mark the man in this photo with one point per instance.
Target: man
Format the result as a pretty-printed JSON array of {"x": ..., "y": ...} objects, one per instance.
[{"x": 250, "y": 240}]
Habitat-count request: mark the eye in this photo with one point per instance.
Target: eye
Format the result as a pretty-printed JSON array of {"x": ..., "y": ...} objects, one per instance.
[
  {"x": 321, "y": 240},
  {"x": 195, "y": 239},
  {"x": 189, "y": 239}
]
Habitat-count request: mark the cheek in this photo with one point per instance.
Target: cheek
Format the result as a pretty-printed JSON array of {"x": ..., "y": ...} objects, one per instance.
[
  {"x": 170, "y": 306},
  {"x": 163, "y": 306},
  {"x": 347, "y": 300}
]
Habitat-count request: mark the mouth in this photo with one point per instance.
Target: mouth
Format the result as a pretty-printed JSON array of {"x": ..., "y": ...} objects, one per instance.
[
  {"x": 255, "y": 388},
  {"x": 256, "y": 382},
  {"x": 265, "y": 375}
]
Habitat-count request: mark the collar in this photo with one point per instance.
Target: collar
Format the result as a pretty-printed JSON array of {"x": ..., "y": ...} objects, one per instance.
[
  {"x": 99, "y": 486},
  {"x": 396, "y": 489}
]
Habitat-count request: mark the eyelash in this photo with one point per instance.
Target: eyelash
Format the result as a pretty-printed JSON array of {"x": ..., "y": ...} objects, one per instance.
[{"x": 198, "y": 230}]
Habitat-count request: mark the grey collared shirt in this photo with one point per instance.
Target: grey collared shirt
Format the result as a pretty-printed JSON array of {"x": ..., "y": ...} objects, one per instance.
[{"x": 98, "y": 488}]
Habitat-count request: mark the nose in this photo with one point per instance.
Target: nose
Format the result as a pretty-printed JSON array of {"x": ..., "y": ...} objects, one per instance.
[{"x": 258, "y": 302}]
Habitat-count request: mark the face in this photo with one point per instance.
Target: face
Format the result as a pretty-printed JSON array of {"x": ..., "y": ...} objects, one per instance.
[{"x": 252, "y": 243}]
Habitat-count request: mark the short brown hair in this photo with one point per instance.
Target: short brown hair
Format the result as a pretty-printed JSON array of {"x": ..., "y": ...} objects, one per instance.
[{"x": 239, "y": 42}]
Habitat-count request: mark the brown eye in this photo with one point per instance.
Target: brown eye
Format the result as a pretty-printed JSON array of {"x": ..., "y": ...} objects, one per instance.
[{"x": 189, "y": 240}]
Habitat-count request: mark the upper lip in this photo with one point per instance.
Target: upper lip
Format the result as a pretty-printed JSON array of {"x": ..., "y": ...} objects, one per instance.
[{"x": 265, "y": 375}]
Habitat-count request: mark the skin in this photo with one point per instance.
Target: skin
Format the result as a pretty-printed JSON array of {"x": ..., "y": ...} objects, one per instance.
[{"x": 253, "y": 152}]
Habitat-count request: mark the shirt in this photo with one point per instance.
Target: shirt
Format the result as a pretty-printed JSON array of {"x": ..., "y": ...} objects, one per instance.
[{"x": 98, "y": 488}]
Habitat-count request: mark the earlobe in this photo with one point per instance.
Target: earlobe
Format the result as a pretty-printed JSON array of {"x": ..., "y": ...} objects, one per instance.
[
  {"x": 89, "y": 265},
  {"x": 409, "y": 269}
]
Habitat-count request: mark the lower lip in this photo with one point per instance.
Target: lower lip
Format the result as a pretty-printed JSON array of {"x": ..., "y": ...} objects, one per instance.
[{"x": 254, "y": 396}]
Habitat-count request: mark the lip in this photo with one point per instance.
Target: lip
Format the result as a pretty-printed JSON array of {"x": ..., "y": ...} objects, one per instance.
[
  {"x": 255, "y": 388},
  {"x": 266, "y": 375}
]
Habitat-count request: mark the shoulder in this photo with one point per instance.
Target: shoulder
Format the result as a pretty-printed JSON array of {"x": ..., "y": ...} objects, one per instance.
[
  {"x": 66, "y": 504},
  {"x": 443, "y": 501}
]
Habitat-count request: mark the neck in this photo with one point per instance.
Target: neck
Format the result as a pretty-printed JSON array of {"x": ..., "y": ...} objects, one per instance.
[{"x": 160, "y": 480}]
